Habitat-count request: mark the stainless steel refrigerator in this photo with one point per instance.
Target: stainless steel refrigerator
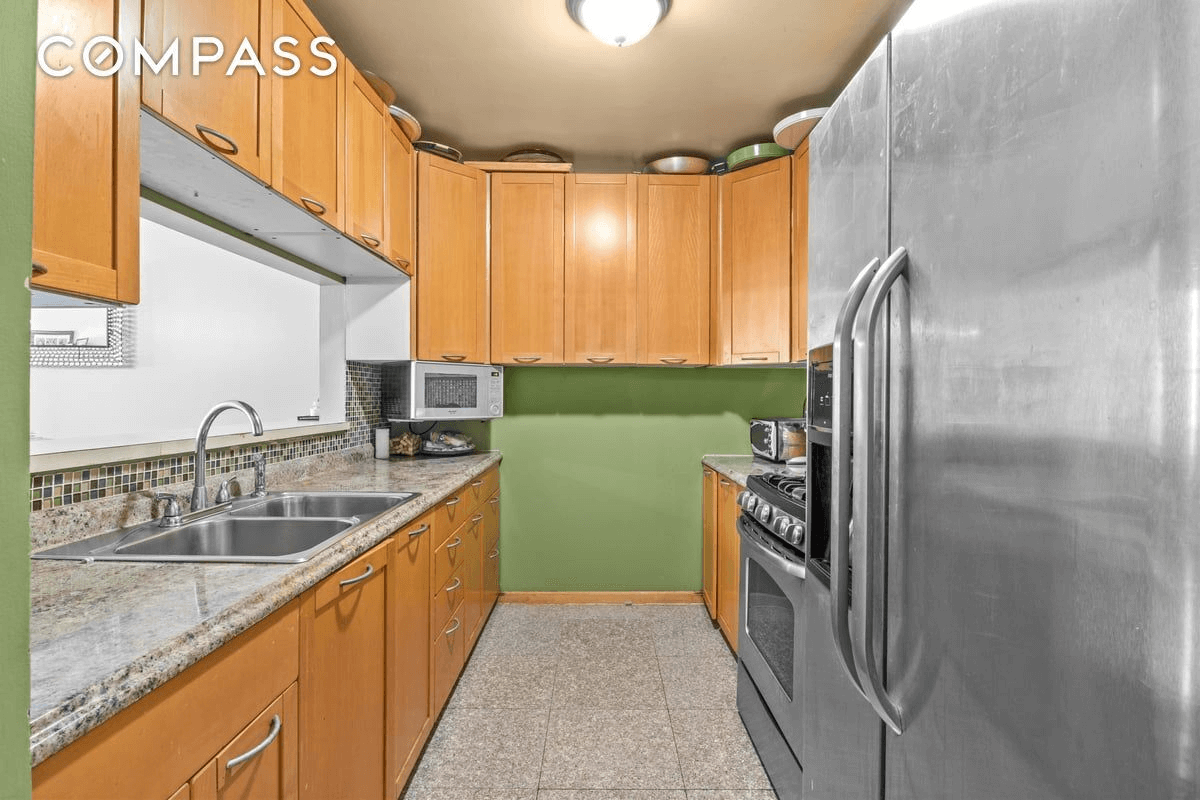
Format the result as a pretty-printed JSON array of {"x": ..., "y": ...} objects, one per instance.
[{"x": 1020, "y": 415}]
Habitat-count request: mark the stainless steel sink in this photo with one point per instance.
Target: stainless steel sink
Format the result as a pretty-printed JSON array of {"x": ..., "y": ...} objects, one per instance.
[
  {"x": 321, "y": 504},
  {"x": 283, "y": 528}
]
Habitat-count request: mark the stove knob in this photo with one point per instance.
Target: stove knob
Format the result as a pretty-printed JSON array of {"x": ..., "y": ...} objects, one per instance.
[
  {"x": 781, "y": 524},
  {"x": 747, "y": 500},
  {"x": 795, "y": 534},
  {"x": 764, "y": 513}
]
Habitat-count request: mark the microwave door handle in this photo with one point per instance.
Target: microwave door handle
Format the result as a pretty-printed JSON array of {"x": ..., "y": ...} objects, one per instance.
[
  {"x": 843, "y": 362},
  {"x": 871, "y": 463}
]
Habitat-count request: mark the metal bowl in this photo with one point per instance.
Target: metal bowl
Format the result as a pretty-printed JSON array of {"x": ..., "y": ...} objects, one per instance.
[
  {"x": 408, "y": 123},
  {"x": 680, "y": 165}
]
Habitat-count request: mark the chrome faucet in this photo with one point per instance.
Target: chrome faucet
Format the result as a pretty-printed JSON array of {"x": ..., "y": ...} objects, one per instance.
[{"x": 200, "y": 491}]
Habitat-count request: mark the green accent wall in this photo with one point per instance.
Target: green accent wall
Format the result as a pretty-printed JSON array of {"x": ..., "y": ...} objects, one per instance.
[
  {"x": 17, "y": 60},
  {"x": 601, "y": 474}
]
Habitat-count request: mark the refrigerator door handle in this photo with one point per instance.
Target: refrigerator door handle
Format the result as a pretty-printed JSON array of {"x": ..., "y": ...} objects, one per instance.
[
  {"x": 869, "y": 581},
  {"x": 843, "y": 371}
]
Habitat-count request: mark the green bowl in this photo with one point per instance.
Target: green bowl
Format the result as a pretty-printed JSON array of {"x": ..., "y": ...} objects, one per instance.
[{"x": 755, "y": 154}]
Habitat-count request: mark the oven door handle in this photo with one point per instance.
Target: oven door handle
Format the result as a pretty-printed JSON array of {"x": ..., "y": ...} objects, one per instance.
[
  {"x": 871, "y": 465},
  {"x": 839, "y": 534},
  {"x": 773, "y": 558}
]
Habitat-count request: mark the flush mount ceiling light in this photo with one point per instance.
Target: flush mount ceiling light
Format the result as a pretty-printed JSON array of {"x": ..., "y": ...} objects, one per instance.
[{"x": 618, "y": 22}]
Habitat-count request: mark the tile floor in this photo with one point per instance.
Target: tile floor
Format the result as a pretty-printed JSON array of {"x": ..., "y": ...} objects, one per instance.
[{"x": 594, "y": 702}]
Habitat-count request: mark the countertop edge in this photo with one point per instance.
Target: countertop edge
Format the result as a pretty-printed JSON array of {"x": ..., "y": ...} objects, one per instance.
[
  {"x": 739, "y": 467},
  {"x": 54, "y": 730}
]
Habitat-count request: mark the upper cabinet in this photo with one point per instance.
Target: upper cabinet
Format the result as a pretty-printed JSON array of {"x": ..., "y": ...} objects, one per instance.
[
  {"x": 229, "y": 114},
  {"x": 85, "y": 167},
  {"x": 399, "y": 199},
  {"x": 308, "y": 124},
  {"x": 754, "y": 298},
  {"x": 527, "y": 268},
  {"x": 800, "y": 253},
  {"x": 452, "y": 287},
  {"x": 674, "y": 228},
  {"x": 600, "y": 310},
  {"x": 366, "y": 118}
]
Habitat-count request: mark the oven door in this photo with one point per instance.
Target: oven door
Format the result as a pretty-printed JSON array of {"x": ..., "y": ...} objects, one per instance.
[
  {"x": 771, "y": 622},
  {"x": 450, "y": 391}
]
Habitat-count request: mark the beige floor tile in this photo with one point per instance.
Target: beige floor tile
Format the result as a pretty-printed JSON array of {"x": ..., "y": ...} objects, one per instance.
[
  {"x": 684, "y": 630},
  {"x": 519, "y": 634},
  {"x": 470, "y": 794},
  {"x": 694, "y": 682},
  {"x": 611, "y": 794},
  {"x": 603, "y": 637},
  {"x": 502, "y": 680},
  {"x": 484, "y": 749},
  {"x": 715, "y": 751},
  {"x": 731, "y": 794},
  {"x": 588, "y": 749},
  {"x": 620, "y": 681}
]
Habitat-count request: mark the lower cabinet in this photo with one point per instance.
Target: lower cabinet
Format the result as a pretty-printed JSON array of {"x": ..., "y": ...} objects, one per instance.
[
  {"x": 343, "y": 656},
  {"x": 708, "y": 541},
  {"x": 729, "y": 559},
  {"x": 260, "y": 762},
  {"x": 490, "y": 555},
  {"x": 409, "y": 682}
]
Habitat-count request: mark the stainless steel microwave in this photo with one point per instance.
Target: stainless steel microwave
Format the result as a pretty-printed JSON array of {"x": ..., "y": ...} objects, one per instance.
[{"x": 435, "y": 390}]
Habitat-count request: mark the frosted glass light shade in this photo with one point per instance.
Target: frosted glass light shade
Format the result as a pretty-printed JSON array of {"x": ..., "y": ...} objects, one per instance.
[{"x": 619, "y": 23}]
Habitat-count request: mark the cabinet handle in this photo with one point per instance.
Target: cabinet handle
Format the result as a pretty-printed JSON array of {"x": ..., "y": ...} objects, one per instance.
[
  {"x": 600, "y": 359},
  {"x": 418, "y": 531},
  {"x": 38, "y": 270},
  {"x": 350, "y": 582},
  {"x": 457, "y": 541},
  {"x": 526, "y": 359},
  {"x": 370, "y": 240},
  {"x": 494, "y": 501},
  {"x": 754, "y": 358},
  {"x": 453, "y": 501},
  {"x": 495, "y": 553},
  {"x": 276, "y": 726},
  {"x": 315, "y": 206},
  {"x": 673, "y": 360},
  {"x": 404, "y": 263},
  {"x": 477, "y": 483},
  {"x": 454, "y": 357},
  {"x": 724, "y": 482},
  {"x": 476, "y": 518},
  {"x": 457, "y": 585},
  {"x": 205, "y": 132},
  {"x": 453, "y": 627}
]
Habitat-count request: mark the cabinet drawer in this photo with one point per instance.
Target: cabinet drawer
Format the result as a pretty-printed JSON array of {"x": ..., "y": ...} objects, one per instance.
[
  {"x": 448, "y": 599},
  {"x": 484, "y": 486},
  {"x": 454, "y": 552},
  {"x": 451, "y": 513},
  {"x": 449, "y": 655},
  {"x": 348, "y": 577}
]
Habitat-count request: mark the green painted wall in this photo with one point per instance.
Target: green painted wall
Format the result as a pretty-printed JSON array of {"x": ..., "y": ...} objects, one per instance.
[
  {"x": 17, "y": 48},
  {"x": 601, "y": 475}
]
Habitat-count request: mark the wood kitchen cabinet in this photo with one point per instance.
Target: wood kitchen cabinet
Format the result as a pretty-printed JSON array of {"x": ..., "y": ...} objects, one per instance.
[
  {"x": 85, "y": 165},
  {"x": 409, "y": 697},
  {"x": 708, "y": 541},
  {"x": 261, "y": 762},
  {"x": 344, "y": 626},
  {"x": 231, "y": 115},
  {"x": 473, "y": 611},
  {"x": 451, "y": 281},
  {"x": 728, "y": 559},
  {"x": 490, "y": 555},
  {"x": 400, "y": 198},
  {"x": 601, "y": 269},
  {"x": 527, "y": 268},
  {"x": 800, "y": 253},
  {"x": 308, "y": 126},
  {"x": 754, "y": 275},
  {"x": 674, "y": 227},
  {"x": 366, "y": 118}
]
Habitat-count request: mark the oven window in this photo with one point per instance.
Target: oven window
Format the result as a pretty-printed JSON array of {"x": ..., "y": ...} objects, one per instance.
[
  {"x": 771, "y": 623},
  {"x": 451, "y": 391}
]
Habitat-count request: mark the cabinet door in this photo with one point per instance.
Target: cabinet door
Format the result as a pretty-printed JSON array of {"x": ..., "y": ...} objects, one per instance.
[
  {"x": 308, "y": 120},
  {"x": 451, "y": 283},
  {"x": 728, "y": 559},
  {"x": 673, "y": 268},
  {"x": 230, "y": 114},
  {"x": 365, "y": 114},
  {"x": 410, "y": 710},
  {"x": 600, "y": 308},
  {"x": 261, "y": 763},
  {"x": 490, "y": 555},
  {"x": 800, "y": 253},
  {"x": 449, "y": 656},
  {"x": 344, "y": 630},
  {"x": 527, "y": 268},
  {"x": 85, "y": 159},
  {"x": 400, "y": 194},
  {"x": 754, "y": 287},
  {"x": 708, "y": 542},
  {"x": 473, "y": 578}
]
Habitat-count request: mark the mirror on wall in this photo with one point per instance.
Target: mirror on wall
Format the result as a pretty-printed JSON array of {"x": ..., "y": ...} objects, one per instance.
[{"x": 81, "y": 337}]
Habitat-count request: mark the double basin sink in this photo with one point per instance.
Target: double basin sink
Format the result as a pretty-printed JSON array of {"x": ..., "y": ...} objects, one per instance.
[{"x": 280, "y": 528}]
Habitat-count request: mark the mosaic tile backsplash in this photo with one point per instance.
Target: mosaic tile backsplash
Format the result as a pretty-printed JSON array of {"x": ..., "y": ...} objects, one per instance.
[{"x": 54, "y": 489}]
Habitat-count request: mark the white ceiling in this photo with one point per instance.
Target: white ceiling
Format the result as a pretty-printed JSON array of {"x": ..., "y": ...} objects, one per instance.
[{"x": 487, "y": 76}]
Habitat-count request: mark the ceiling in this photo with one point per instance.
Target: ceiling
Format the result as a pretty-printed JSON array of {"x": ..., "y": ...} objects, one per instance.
[{"x": 487, "y": 76}]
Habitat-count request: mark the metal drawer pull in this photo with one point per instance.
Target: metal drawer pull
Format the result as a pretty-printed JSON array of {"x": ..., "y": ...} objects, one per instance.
[
  {"x": 39, "y": 270},
  {"x": 457, "y": 585},
  {"x": 600, "y": 359},
  {"x": 370, "y": 240},
  {"x": 453, "y": 627},
  {"x": 476, "y": 518},
  {"x": 418, "y": 531},
  {"x": 404, "y": 262},
  {"x": 494, "y": 554},
  {"x": 526, "y": 359},
  {"x": 494, "y": 500},
  {"x": 206, "y": 132},
  {"x": 315, "y": 206},
  {"x": 452, "y": 357},
  {"x": 672, "y": 360},
  {"x": 754, "y": 358},
  {"x": 477, "y": 483},
  {"x": 370, "y": 571},
  {"x": 724, "y": 482},
  {"x": 454, "y": 501},
  {"x": 457, "y": 541},
  {"x": 276, "y": 726}
]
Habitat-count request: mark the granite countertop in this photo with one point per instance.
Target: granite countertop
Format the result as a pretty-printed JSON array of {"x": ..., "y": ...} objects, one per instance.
[
  {"x": 738, "y": 468},
  {"x": 106, "y": 634}
]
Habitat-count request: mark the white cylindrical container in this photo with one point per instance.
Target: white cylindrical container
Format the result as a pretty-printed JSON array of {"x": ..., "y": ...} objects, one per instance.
[{"x": 383, "y": 442}]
